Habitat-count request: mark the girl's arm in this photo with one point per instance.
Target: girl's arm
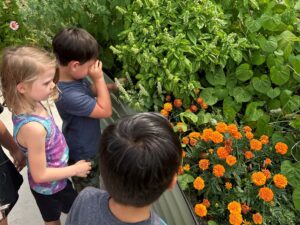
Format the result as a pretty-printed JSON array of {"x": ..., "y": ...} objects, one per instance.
[
  {"x": 33, "y": 136},
  {"x": 8, "y": 142}
]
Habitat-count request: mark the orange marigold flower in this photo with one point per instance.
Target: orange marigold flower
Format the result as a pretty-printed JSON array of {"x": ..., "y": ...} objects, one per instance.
[
  {"x": 218, "y": 170},
  {"x": 234, "y": 207},
  {"x": 200, "y": 210},
  {"x": 266, "y": 194},
  {"x": 204, "y": 106},
  {"x": 180, "y": 170},
  {"x": 200, "y": 100},
  {"x": 237, "y": 135},
  {"x": 245, "y": 208},
  {"x": 195, "y": 135},
  {"x": 235, "y": 219},
  {"x": 232, "y": 128},
  {"x": 207, "y": 133},
  {"x": 258, "y": 178},
  {"x": 217, "y": 137},
  {"x": 255, "y": 145},
  {"x": 177, "y": 103},
  {"x": 228, "y": 185},
  {"x": 267, "y": 173},
  {"x": 245, "y": 222},
  {"x": 185, "y": 140},
  {"x": 199, "y": 183},
  {"x": 257, "y": 218},
  {"x": 268, "y": 161},
  {"x": 264, "y": 139},
  {"x": 193, "y": 142},
  {"x": 183, "y": 154},
  {"x": 247, "y": 129},
  {"x": 230, "y": 160},
  {"x": 249, "y": 155},
  {"x": 222, "y": 152},
  {"x": 164, "y": 113},
  {"x": 193, "y": 108},
  {"x": 281, "y": 148},
  {"x": 168, "y": 98},
  {"x": 186, "y": 167},
  {"x": 204, "y": 164},
  {"x": 249, "y": 135},
  {"x": 221, "y": 127},
  {"x": 280, "y": 181},
  {"x": 168, "y": 107},
  {"x": 206, "y": 203}
]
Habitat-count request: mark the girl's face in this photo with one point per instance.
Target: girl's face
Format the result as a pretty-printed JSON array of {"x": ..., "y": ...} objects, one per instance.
[{"x": 41, "y": 88}]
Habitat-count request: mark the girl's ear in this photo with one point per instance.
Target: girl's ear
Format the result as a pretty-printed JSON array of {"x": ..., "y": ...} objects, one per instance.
[
  {"x": 21, "y": 88},
  {"x": 173, "y": 182},
  {"x": 73, "y": 65}
]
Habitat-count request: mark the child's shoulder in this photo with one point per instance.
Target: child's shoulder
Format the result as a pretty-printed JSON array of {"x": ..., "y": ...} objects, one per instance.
[{"x": 92, "y": 192}]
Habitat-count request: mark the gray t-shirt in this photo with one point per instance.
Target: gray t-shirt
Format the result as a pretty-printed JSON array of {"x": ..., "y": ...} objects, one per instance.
[{"x": 91, "y": 208}]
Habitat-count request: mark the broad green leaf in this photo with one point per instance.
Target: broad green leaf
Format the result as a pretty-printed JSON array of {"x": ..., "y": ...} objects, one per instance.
[
  {"x": 203, "y": 118},
  {"x": 273, "y": 93},
  {"x": 252, "y": 25},
  {"x": 261, "y": 84},
  {"x": 184, "y": 181},
  {"x": 230, "y": 108},
  {"x": 274, "y": 60},
  {"x": 188, "y": 115},
  {"x": 274, "y": 104},
  {"x": 216, "y": 78},
  {"x": 244, "y": 72},
  {"x": 292, "y": 172},
  {"x": 292, "y": 105},
  {"x": 296, "y": 198},
  {"x": 295, "y": 123},
  {"x": 268, "y": 46},
  {"x": 280, "y": 74},
  {"x": 278, "y": 137},
  {"x": 208, "y": 96},
  {"x": 221, "y": 93},
  {"x": 295, "y": 62},
  {"x": 263, "y": 127},
  {"x": 253, "y": 113},
  {"x": 211, "y": 222},
  {"x": 272, "y": 22},
  {"x": 237, "y": 55},
  {"x": 257, "y": 58},
  {"x": 231, "y": 81},
  {"x": 241, "y": 95}
]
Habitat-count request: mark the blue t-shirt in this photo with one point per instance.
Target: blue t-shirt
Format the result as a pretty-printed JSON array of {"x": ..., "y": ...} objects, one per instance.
[{"x": 75, "y": 103}]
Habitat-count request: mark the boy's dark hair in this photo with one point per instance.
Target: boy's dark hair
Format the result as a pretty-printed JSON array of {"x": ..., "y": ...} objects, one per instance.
[
  {"x": 74, "y": 44},
  {"x": 139, "y": 156}
]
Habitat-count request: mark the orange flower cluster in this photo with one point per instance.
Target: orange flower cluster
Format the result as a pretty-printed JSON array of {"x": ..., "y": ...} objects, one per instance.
[
  {"x": 199, "y": 183},
  {"x": 186, "y": 167},
  {"x": 206, "y": 203},
  {"x": 267, "y": 173},
  {"x": 281, "y": 148},
  {"x": 222, "y": 152},
  {"x": 216, "y": 137},
  {"x": 235, "y": 219},
  {"x": 228, "y": 185},
  {"x": 231, "y": 160},
  {"x": 255, "y": 145},
  {"x": 221, "y": 127},
  {"x": 266, "y": 194},
  {"x": 247, "y": 129},
  {"x": 204, "y": 164},
  {"x": 264, "y": 139},
  {"x": 200, "y": 210},
  {"x": 280, "y": 181},
  {"x": 249, "y": 135},
  {"x": 168, "y": 107},
  {"x": 218, "y": 170},
  {"x": 249, "y": 155},
  {"x": 235, "y": 210},
  {"x": 268, "y": 161},
  {"x": 258, "y": 178},
  {"x": 257, "y": 218}
]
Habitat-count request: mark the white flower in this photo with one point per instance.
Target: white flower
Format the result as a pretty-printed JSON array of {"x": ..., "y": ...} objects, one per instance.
[{"x": 14, "y": 25}]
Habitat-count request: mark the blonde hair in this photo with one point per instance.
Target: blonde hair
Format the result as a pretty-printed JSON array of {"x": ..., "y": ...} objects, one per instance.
[{"x": 22, "y": 64}]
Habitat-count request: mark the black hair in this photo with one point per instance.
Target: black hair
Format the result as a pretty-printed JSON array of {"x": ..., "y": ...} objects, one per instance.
[
  {"x": 139, "y": 157},
  {"x": 74, "y": 44}
]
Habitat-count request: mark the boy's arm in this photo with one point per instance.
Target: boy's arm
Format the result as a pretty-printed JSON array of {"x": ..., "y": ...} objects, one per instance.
[
  {"x": 8, "y": 142},
  {"x": 33, "y": 136},
  {"x": 103, "y": 108}
]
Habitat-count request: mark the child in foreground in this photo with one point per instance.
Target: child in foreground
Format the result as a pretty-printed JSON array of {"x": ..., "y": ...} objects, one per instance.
[
  {"x": 139, "y": 159},
  {"x": 27, "y": 75}
]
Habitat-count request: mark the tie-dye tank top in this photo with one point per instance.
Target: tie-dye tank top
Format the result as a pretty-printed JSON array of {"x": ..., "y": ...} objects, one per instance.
[{"x": 57, "y": 151}]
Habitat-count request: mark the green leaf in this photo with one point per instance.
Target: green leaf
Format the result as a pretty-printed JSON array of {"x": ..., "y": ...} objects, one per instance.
[
  {"x": 184, "y": 181},
  {"x": 273, "y": 93},
  {"x": 280, "y": 74},
  {"x": 211, "y": 222},
  {"x": 257, "y": 58},
  {"x": 203, "y": 118},
  {"x": 253, "y": 113},
  {"x": 237, "y": 55},
  {"x": 262, "y": 84},
  {"x": 221, "y": 93},
  {"x": 295, "y": 123},
  {"x": 268, "y": 46},
  {"x": 295, "y": 62},
  {"x": 274, "y": 60},
  {"x": 241, "y": 95},
  {"x": 252, "y": 25},
  {"x": 191, "y": 36},
  {"x": 188, "y": 115},
  {"x": 292, "y": 172},
  {"x": 244, "y": 72},
  {"x": 208, "y": 96},
  {"x": 182, "y": 127},
  {"x": 216, "y": 78},
  {"x": 296, "y": 198}
]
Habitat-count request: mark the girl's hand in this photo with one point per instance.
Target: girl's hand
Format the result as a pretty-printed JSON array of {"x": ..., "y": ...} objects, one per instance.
[
  {"x": 83, "y": 168},
  {"x": 19, "y": 159},
  {"x": 95, "y": 71}
]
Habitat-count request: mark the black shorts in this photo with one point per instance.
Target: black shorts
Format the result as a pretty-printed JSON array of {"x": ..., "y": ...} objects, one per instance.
[{"x": 51, "y": 206}]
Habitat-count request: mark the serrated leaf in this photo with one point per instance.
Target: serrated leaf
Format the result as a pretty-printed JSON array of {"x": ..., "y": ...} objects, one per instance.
[{"x": 280, "y": 74}]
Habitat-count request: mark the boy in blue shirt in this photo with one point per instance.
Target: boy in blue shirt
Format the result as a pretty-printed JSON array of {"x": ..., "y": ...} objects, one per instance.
[
  {"x": 81, "y": 103},
  {"x": 139, "y": 158}
]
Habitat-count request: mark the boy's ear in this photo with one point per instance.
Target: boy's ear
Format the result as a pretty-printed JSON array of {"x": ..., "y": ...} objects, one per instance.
[
  {"x": 73, "y": 65},
  {"x": 173, "y": 182},
  {"x": 21, "y": 87}
]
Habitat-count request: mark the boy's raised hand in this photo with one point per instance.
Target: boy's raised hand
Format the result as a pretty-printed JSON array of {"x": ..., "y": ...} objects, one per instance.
[
  {"x": 82, "y": 168},
  {"x": 95, "y": 71}
]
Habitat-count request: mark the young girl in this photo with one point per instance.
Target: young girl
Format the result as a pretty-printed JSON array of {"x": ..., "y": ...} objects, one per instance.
[{"x": 27, "y": 76}]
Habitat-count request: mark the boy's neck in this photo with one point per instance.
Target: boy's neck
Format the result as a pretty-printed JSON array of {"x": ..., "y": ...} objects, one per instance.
[
  {"x": 129, "y": 214},
  {"x": 64, "y": 74}
]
